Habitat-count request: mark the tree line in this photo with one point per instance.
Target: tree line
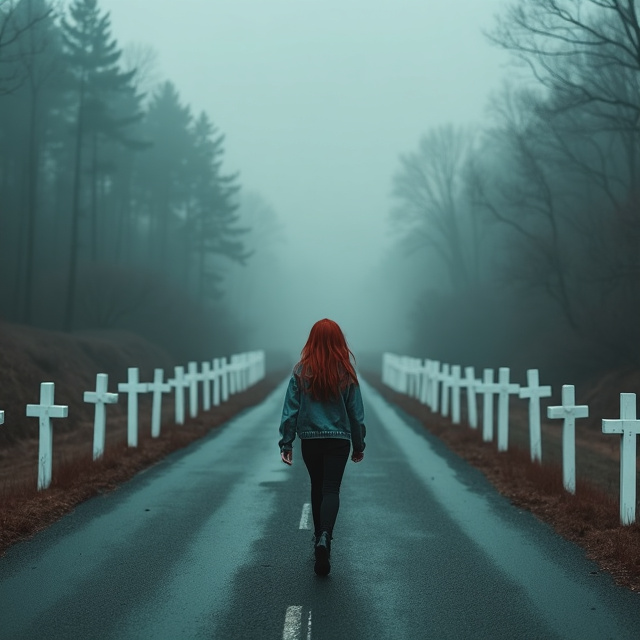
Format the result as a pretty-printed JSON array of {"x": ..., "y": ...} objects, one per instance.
[
  {"x": 115, "y": 209},
  {"x": 529, "y": 226}
]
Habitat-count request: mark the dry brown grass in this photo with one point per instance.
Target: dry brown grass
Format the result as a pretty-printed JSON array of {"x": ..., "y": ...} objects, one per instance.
[
  {"x": 589, "y": 518},
  {"x": 76, "y": 477}
]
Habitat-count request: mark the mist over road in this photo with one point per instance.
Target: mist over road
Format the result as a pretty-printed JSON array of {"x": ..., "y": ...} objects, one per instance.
[{"x": 211, "y": 543}]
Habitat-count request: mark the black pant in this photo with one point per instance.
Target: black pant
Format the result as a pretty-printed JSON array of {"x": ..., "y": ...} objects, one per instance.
[{"x": 326, "y": 459}]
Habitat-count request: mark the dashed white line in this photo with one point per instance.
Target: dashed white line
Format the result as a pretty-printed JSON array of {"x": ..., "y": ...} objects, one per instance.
[
  {"x": 304, "y": 518},
  {"x": 292, "y": 623}
]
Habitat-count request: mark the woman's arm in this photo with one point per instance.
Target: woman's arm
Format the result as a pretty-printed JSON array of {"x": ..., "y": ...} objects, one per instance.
[
  {"x": 289, "y": 416},
  {"x": 355, "y": 411}
]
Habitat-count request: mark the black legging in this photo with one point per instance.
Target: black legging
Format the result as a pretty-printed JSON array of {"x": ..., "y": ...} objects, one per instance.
[{"x": 325, "y": 459}]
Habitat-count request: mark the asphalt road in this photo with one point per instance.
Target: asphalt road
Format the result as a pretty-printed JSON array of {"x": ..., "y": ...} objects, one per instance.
[{"x": 208, "y": 544}]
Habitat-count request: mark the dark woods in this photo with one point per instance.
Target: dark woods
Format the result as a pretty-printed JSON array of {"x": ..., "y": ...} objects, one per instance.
[
  {"x": 115, "y": 211},
  {"x": 529, "y": 228}
]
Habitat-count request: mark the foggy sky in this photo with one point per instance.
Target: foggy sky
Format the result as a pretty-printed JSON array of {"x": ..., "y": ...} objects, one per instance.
[{"x": 317, "y": 99}]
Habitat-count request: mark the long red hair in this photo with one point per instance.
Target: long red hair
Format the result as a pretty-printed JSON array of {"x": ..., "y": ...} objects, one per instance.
[{"x": 325, "y": 362}]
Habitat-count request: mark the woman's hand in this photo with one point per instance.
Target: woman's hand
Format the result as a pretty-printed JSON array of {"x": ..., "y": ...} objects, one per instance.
[
  {"x": 357, "y": 457},
  {"x": 287, "y": 457}
]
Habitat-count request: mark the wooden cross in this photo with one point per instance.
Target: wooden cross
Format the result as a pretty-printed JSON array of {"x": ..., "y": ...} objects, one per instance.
[
  {"x": 179, "y": 383},
  {"x": 534, "y": 392},
  {"x": 455, "y": 393},
  {"x": 45, "y": 411},
  {"x": 100, "y": 397},
  {"x": 206, "y": 386},
  {"x": 569, "y": 411},
  {"x": 628, "y": 428},
  {"x": 488, "y": 388},
  {"x": 445, "y": 378},
  {"x": 157, "y": 388},
  {"x": 505, "y": 389},
  {"x": 133, "y": 387},
  {"x": 469, "y": 384}
]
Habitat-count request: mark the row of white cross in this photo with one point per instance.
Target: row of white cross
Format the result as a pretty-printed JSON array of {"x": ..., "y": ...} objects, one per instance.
[
  {"x": 436, "y": 384},
  {"x": 218, "y": 379}
]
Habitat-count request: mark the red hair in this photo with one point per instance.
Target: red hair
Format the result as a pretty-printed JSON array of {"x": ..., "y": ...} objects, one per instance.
[{"x": 325, "y": 362}]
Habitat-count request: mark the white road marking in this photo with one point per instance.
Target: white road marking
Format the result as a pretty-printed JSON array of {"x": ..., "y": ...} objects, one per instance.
[
  {"x": 292, "y": 623},
  {"x": 304, "y": 518},
  {"x": 309, "y": 627}
]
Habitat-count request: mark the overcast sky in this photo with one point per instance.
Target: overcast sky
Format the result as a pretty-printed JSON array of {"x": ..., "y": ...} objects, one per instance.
[{"x": 317, "y": 99}]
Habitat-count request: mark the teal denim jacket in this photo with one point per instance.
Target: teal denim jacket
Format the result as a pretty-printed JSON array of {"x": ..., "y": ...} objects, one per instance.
[{"x": 339, "y": 418}]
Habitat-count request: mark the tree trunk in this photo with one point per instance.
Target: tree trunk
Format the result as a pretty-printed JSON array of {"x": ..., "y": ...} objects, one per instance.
[
  {"x": 75, "y": 217},
  {"x": 33, "y": 180}
]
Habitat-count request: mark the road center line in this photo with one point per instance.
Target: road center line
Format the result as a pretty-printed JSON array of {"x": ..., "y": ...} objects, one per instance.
[
  {"x": 309, "y": 627},
  {"x": 304, "y": 518},
  {"x": 292, "y": 623}
]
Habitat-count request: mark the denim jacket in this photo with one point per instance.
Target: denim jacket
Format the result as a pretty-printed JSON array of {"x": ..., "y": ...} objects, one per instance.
[{"x": 309, "y": 418}]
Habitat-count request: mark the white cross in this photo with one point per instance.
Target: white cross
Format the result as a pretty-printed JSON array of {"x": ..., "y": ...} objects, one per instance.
[
  {"x": 192, "y": 378},
  {"x": 470, "y": 385},
  {"x": 488, "y": 388},
  {"x": 179, "y": 383},
  {"x": 100, "y": 397},
  {"x": 534, "y": 392},
  {"x": 569, "y": 411},
  {"x": 157, "y": 388},
  {"x": 224, "y": 372},
  {"x": 216, "y": 382},
  {"x": 435, "y": 385},
  {"x": 628, "y": 428},
  {"x": 45, "y": 411},
  {"x": 244, "y": 372},
  {"x": 505, "y": 389},
  {"x": 445, "y": 378},
  {"x": 133, "y": 387},
  {"x": 233, "y": 375},
  {"x": 206, "y": 386},
  {"x": 1, "y": 417},
  {"x": 425, "y": 382},
  {"x": 455, "y": 394}
]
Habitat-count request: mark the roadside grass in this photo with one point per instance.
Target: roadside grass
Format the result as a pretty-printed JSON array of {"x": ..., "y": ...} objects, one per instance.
[
  {"x": 76, "y": 477},
  {"x": 590, "y": 518}
]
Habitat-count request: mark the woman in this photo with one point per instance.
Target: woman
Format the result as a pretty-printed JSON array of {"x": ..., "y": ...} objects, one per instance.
[{"x": 323, "y": 405}]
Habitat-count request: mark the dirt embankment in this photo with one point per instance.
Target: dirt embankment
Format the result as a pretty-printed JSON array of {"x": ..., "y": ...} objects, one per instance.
[
  {"x": 589, "y": 518},
  {"x": 71, "y": 361},
  {"x": 29, "y": 357}
]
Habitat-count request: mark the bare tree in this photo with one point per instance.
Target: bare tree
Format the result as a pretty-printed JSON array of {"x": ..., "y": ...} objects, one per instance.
[
  {"x": 431, "y": 211},
  {"x": 13, "y": 27}
]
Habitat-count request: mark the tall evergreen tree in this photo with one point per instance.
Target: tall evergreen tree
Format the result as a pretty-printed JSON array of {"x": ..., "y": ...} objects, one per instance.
[
  {"x": 92, "y": 58},
  {"x": 165, "y": 172},
  {"x": 214, "y": 219}
]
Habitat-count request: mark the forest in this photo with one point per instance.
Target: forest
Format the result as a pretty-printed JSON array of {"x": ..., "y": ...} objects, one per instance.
[
  {"x": 517, "y": 239},
  {"x": 526, "y": 229},
  {"x": 115, "y": 208}
]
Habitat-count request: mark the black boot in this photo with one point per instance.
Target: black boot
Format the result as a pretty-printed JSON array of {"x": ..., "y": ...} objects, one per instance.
[{"x": 323, "y": 553}]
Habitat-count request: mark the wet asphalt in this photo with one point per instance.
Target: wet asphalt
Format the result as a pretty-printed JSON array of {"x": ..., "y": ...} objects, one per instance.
[{"x": 208, "y": 544}]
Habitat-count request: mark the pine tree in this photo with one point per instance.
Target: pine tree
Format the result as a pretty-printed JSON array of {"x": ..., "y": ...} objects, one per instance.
[
  {"x": 92, "y": 58},
  {"x": 214, "y": 213}
]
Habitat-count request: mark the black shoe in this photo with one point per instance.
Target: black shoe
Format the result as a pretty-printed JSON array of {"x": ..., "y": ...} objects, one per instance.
[{"x": 323, "y": 552}]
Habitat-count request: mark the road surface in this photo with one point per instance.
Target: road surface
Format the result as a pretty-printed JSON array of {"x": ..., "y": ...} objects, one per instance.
[{"x": 213, "y": 542}]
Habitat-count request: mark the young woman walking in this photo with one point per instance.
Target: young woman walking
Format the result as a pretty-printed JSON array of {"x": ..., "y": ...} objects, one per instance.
[{"x": 323, "y": 406}]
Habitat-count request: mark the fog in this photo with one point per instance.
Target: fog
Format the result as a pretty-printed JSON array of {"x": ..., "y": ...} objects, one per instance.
[
  {"x": 317, "y": 100},
  {"x": 447, "y": 180}
]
